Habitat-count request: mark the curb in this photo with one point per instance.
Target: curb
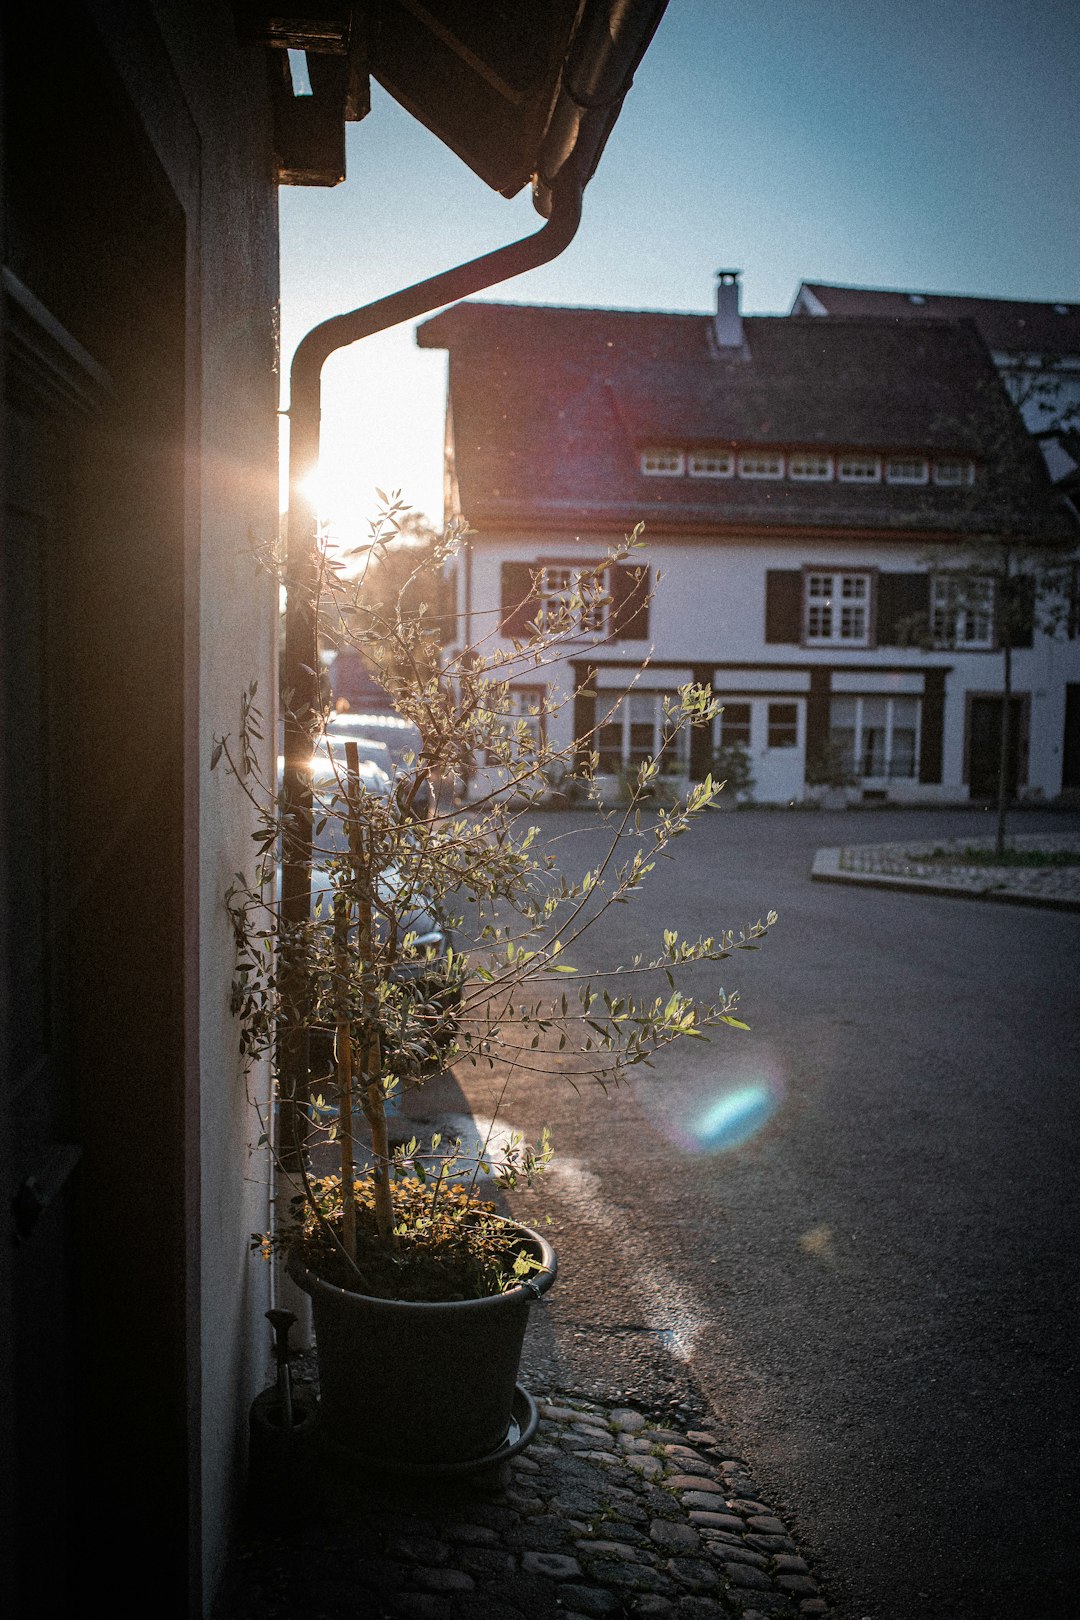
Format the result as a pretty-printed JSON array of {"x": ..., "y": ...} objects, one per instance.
[{"x": 827, "y": 869}]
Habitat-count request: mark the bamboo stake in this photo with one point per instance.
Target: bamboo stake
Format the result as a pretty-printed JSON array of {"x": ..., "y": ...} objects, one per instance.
[
  {"x": 343, "y": 1059},
  {"x": 372, "y": 1099}
]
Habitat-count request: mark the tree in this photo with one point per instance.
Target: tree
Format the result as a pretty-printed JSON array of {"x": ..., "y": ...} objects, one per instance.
[{"x": 359, "y": 974}]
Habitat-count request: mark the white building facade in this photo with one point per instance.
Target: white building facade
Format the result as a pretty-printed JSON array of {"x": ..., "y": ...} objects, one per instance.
[{"x": 796, "y": 479}]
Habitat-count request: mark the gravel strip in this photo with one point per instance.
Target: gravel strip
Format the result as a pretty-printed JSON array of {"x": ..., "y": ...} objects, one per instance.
[{"x": 910, "y": 867}]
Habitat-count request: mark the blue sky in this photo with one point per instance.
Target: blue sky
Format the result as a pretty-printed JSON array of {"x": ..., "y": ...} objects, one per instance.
[{"x": 889, "y": 143}]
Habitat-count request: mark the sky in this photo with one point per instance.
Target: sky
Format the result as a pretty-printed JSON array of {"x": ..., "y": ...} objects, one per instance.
[{"x": 886, "y": 143}]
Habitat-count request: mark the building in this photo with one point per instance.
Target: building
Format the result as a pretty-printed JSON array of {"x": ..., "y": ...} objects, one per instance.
[
  {"x": 142, "y": 150},
  {"x": 1035, "y": 346},
  {"x": 794, "y": 476}
]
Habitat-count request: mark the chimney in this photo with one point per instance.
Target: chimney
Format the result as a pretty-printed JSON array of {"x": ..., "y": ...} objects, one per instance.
[{"x": 727, "y": 326}]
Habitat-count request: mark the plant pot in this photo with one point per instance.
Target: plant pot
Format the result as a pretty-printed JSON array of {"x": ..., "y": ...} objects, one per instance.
[{"x": 404, "y": 1383}]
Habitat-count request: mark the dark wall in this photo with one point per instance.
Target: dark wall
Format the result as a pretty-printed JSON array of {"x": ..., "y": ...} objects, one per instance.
[{"x": 107, "y": 158}]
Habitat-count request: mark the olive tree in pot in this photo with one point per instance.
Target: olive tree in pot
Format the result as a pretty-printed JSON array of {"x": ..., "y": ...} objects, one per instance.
[{"x": 431, "y": 940}]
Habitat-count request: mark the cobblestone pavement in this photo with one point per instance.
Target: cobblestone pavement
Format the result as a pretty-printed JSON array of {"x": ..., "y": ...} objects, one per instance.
[
  {"x": 910, "y": 866},
  {"x": 602, "y": 1517}
]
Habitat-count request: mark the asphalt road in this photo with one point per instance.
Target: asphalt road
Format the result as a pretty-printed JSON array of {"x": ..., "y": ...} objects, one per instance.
[{"x": 875, "y": 1295}]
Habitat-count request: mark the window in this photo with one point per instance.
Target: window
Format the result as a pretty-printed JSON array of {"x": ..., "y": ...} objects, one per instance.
[
  {"x": 632, "y": 730},
  {"x": 907, "y": 472},
  {"x": 953, "y": 473},
  {"x": 663, "y": 463},
  {"x": 859, "y": 470},
  {"x": 761, "y": 466},
  {"x": 877, "y": 736},
  {"x": 810, "y": 469},
  {"x": 733, "y": 725},
  {"x": 712, "y": 464},
  {"x": 525, "y": 706},
  {"x": 783, "y": 725},
  {"x": 571, "y": 597},
  {"x": 962, "y": 611},
  {"x": 837, "y": 609}
]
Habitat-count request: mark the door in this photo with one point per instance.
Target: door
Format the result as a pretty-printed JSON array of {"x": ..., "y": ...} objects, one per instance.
[
  {"x": 984, "y": 746},
  {"x": 50, "y": 390},
  {"x": 1070, "y": 751}
]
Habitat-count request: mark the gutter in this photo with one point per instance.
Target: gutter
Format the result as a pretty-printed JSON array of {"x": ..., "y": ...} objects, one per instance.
[{"x": 300, "y": 661}]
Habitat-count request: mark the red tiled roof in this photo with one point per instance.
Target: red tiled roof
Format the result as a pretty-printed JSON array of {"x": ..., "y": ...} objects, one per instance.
[
  {"x": 551, "y": 408},
  {"x": 1009, "y": 324}
]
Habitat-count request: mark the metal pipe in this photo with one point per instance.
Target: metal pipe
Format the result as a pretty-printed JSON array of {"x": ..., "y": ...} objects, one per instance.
[{"x": 300, "y": 694}]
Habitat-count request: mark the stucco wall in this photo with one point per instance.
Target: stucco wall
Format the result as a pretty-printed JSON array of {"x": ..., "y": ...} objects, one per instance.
[{"x": 709, "y": 609}]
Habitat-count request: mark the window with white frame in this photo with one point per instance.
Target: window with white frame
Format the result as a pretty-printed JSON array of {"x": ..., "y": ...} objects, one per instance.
[
  {"x": 962, "y": 611},
  {"x": 523, "y": 720},
  {"x": 635, "y": 728},
  {"x": 837, "y": 609},
  {"x": 810, "y": 469},
  {"x": 907, "y": 470},
  {"x": 733, "y": 725},
  {"x": 571, "y": 597},
  {"x": 659, "y": 463},
  {"x": 951, "y": 472},
  {"x": 711, "y": 464},
  {"x": 761, "y": 466},
  {"x": 859, "y": 470},
  {"x": 783, "y": 725},
  {"x": 878, "y": 736}
]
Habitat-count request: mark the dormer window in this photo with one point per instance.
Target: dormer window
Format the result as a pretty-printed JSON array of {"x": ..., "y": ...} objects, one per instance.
[
  {"x": 663, "y": 463},
  {"x": 908, "y": 470},
  {"x": 711, "y": 464},
  {"x": 761, "y": 466},
  {"x": 859, "y": 470},
  {"x": 810, "y": 469},
  {"x": 952, "y": 473}
]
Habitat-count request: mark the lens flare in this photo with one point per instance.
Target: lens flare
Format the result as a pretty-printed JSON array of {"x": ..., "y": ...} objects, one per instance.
[{"x": 735, "y": 1117}]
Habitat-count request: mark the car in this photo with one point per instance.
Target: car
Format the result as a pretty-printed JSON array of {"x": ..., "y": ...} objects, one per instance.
[{"x": 399, "y": 737}]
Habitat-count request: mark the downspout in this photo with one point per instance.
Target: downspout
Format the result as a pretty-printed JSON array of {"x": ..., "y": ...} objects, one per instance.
[{"x": 300, "y": 657}]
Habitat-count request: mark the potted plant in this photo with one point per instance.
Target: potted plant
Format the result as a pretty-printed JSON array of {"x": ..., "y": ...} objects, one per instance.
[
  {"x": 829, "y": 770},
  {"x": 732, "y": 766},
  {"x": 431, "y": 939}
]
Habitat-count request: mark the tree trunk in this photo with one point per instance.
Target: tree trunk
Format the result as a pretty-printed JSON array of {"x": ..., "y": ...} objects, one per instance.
[{"x": 1003, "y": 759}]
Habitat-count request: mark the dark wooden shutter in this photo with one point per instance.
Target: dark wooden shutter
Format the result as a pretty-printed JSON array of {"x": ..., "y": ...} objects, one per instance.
[
  {"x": 783, "y": 605},
  {"x": 584, "y": 713},
  {"x": 519, "y": 604},
  {"x": 1020, "y": 606},
  {"x": 629, "y": 587},
  {"x": 932, "y": 731},
  {"x": 903, "y": 609}
]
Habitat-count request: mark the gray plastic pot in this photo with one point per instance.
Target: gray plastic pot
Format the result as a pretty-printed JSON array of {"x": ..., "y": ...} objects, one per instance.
[{"x": 406, "y": 1383}]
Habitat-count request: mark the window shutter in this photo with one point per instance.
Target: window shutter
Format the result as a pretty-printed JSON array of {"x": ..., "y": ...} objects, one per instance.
[
  {"x": 783, "y": 605},
  {"x": 629, "y": 587},
  {"x": 1020, "y": 606},
  {"x": 519, "y": 603},
  {"x": 931, "y": 748},
  {"x": 903, "y": 609}
]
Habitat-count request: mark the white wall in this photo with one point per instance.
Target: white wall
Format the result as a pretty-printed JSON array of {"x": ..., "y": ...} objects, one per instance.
[{"x": 709, "y": 608}]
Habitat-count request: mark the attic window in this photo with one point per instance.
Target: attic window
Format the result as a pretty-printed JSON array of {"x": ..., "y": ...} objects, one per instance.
[
  {"x": 810, "y": 469},
  {"x": 1061, "y": 309},
  {"x": 916, "y": 298},
  {"x": 761, "y": 466},
  {"x": 907, "y": 471},
  {"x": 859, "y": 470},
  {"x": 953, "y": 473},
  {"x": 663, "y": 463},
  {"x": 712, "y": 464}
]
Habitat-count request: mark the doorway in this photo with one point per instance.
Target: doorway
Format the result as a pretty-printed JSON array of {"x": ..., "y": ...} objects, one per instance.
[{"x": 984, "y": 745}]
